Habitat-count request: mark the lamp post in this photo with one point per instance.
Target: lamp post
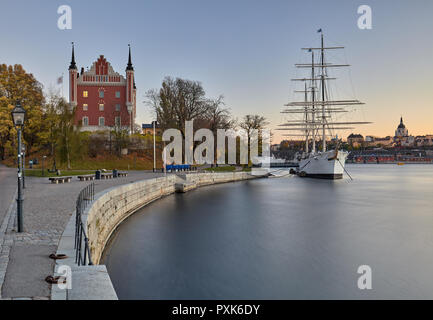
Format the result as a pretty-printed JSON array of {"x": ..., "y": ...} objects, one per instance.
[
  {"x": 18, "y": 117},
  {"x": 154, "y": 146},
  {"x": 23, "y": 164},
  {"x": 43, "y": 169}
]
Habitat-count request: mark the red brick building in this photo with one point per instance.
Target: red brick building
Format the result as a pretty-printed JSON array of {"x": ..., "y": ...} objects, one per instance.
[{"x": 102, "y": 97}]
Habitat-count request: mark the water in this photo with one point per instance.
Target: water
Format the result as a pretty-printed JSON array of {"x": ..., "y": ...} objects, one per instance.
[{"x": 283, "y": 238}]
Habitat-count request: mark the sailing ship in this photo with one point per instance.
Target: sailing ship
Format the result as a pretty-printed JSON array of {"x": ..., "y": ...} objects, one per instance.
[{"x": 318, "y": 122}]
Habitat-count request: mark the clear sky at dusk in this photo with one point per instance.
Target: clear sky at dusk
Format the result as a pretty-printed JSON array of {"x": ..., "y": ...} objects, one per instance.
[{"x": 244, "y": 50}]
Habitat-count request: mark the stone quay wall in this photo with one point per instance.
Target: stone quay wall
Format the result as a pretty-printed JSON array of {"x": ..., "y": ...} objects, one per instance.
[
  {"x": 104, "y": 214},
  {"x": 114, "y": 205}
]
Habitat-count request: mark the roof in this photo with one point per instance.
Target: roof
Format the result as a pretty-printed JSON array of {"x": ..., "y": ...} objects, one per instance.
[
  {"x": 401, "y": 125},
  {"x": 353, "y": 135}
]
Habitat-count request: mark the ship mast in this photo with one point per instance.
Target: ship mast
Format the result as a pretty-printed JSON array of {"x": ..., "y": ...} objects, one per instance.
[
  {"x": 310, "y": 126},
  {"x": 306, "y": 119},
  {"x": 313, "y": 93},
  {"x": 322, "y": 58}
]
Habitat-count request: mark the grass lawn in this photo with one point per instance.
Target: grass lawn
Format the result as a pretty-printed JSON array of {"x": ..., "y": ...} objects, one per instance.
[
  {"x": 221, "y": 169},
  {"x": 38, "y": 173}
]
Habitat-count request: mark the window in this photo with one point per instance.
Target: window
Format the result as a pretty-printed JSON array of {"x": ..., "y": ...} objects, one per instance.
[
  {"x": 117, "y": 121},
  {"x": 85, "y": 94},
  {"x": 85, "y": 107},
  {"x": 117, "y": 94},
  {"x": 117, "y": 107},
  {"x": 101, "y": 94},
  {"x": 101, "y": 121},
  {"x": 101, "y": 107},
  {"x": 85, "y": 121}
]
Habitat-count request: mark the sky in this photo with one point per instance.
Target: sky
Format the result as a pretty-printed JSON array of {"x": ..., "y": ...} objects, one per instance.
[{"x": 243, "y": 50}]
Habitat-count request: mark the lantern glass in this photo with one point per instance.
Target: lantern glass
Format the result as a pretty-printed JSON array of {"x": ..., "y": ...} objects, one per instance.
[
  {"x": 18, "y": 115},
  {"x": 18, "y": 119}
]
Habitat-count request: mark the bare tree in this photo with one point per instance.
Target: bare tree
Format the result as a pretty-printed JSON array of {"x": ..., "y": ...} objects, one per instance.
[
  {"x": 252, "y": 122},
  {"x": 177, "y": 101}
]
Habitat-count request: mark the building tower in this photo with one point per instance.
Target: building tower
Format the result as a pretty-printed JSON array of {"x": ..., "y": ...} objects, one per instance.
[
  {"x": 401, "y": 130},
  {"x": 130, "y": 90},
  {"x": 73, "y": 78}
]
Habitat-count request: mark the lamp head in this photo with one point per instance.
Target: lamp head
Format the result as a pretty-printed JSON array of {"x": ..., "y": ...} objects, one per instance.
[{"x": 18, "y": 115}]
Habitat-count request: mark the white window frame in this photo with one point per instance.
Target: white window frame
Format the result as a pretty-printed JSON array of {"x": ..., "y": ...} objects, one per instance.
[
  {"x": 85, "y": 94},
  {"x": 101, "y": 107},
  {"x": 103, "y": 93},
  {"x": 85, "y": 107},
  {"x": 84, "y": 122},
  {"x": 117, "y": 94},
  {"x": 103, "y": 121}
]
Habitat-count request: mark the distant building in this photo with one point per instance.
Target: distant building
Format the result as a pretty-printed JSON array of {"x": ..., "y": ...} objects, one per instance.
[
  {"x": 402, "y": 137},
  {"x": 401, "y": 130},
  {"x": 148, "y": 128},
  {"x": 424, "y": 141},
  {"x": 355, "y": 140},
  {"x": 102, "y": 97},
  {"x": 275, "y": 147},
  {"x": 371, "y": 141}
]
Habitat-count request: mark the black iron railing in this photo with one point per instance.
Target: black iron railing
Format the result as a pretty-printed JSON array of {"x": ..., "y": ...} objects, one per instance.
[{"x": 82, "y": 250}]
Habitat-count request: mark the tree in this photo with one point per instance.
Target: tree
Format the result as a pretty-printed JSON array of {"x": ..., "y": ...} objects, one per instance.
[
  {"x": 16, "y": 84},
  {"x": 252, "y": 122},
  {"x": 179, "y": 100},
  {"x": 7, "y": 133},
  {"x": 120, "y": 138},
  {"x": 68, "y": 133}
]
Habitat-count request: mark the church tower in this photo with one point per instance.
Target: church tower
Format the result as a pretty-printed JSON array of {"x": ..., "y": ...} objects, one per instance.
[
  {"x": 401, "y": 130},
  {"x": 73, "y": 78},
  {"x": 130, "y": 90}
]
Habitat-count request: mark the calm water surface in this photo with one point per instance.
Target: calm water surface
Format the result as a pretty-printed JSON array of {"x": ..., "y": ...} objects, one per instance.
[{"x": 283, "y": 238}]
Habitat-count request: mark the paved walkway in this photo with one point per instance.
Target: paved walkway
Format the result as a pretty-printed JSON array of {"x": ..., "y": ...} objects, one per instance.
[{"x": 24, "y": 261}]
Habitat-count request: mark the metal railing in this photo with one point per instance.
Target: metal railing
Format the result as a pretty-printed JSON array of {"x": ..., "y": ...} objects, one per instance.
[{"x": 82, "y": 249}]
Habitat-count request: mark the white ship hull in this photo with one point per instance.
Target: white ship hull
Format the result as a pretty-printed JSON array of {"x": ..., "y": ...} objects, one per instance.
[{"x": 323, "y": 165}]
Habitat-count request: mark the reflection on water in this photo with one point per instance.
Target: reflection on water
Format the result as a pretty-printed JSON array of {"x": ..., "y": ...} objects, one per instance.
[{"x": 282, "y": 238}]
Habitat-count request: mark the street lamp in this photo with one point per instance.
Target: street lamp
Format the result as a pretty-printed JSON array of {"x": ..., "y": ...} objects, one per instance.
[
  {"x": 18, "y": 117},
  {"x": 23, "y": 164},
  {"x": 154, "y": 146},
  {"x": 43, "y": 159}
]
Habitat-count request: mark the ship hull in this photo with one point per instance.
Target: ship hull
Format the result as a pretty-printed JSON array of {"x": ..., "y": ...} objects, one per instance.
[{"x": 324, "y": 165}]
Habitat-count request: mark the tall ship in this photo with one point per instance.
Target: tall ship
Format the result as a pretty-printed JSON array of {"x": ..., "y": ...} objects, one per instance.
[{"x": 316, "y": 121}]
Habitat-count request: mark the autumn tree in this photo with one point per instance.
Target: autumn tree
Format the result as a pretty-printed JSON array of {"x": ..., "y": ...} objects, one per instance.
[{"x": 17, "y": 84}]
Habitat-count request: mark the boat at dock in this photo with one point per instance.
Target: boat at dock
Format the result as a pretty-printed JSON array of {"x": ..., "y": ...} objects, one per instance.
[{"x": 317, "y": 122}]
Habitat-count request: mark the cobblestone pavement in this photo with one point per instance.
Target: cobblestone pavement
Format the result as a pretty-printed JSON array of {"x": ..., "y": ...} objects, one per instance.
[{"x": 24, "y": 261}]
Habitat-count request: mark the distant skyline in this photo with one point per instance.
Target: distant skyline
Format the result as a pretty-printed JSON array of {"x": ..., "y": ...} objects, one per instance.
[{"x": 244, "y": 50}]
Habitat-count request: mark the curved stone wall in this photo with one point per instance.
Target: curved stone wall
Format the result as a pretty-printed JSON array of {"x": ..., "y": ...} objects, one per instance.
[{"x": 114, "y": 205}]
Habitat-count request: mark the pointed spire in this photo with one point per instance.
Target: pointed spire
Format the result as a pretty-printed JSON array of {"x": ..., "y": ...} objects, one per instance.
[
  {"x": 73, "y": 65},
  {"x": 129, "y": 66},
  {"x": 401, "y": 119}
]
